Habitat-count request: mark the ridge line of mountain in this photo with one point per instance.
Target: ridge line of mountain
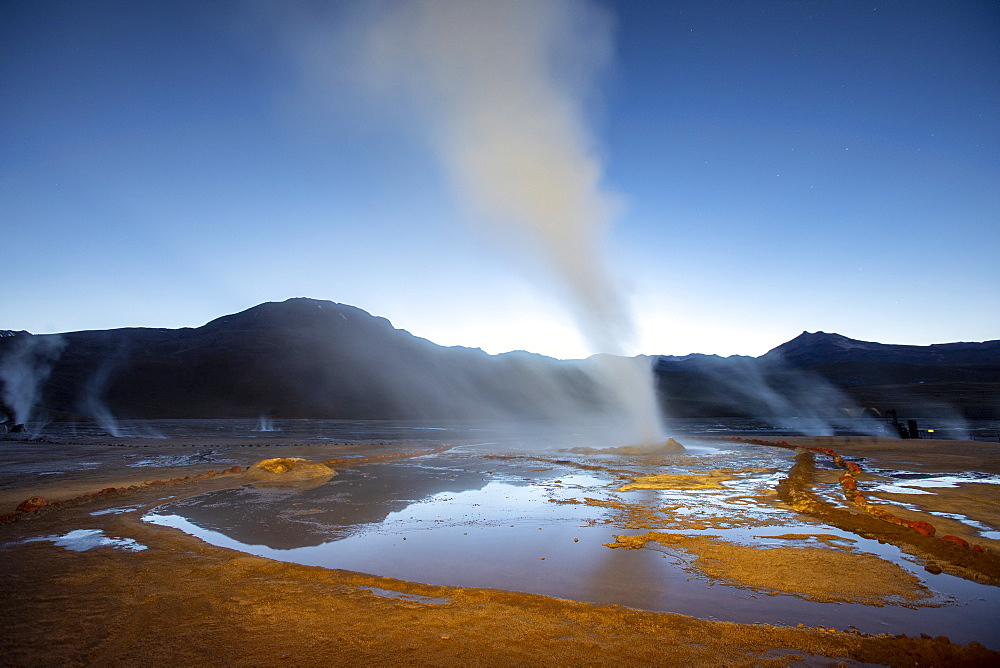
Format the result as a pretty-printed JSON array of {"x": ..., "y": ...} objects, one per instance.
[
  {"x": 811, "y": 340},
  {"x": 310, "y": 358}
]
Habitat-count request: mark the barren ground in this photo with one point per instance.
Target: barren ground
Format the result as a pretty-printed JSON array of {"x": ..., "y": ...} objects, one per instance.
[{"x": 184, "y": 602}]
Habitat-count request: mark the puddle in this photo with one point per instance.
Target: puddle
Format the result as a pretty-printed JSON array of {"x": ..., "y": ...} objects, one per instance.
[
  {"x": 115, "y": 511},
  {"x": 75, "y": 466},
  {"x": 904, "y": 482},
  {"x": 401, "y": 596},
  {"x": 82, "y": 540},
  {"x": 540, "y": 526},
  {"x": 171, "y": 461},
  {"x": 982, "y": 529}
]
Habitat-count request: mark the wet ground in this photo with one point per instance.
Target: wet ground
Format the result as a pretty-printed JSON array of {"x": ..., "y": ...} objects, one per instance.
[
  {"x": 541, "y": 522},
  {"x": 702, "y": 532}
]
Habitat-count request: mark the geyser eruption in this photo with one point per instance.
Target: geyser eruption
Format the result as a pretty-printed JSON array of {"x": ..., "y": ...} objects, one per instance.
[
  {"x": 501, "y": 89},
  {"x": 24, "y": 369}
]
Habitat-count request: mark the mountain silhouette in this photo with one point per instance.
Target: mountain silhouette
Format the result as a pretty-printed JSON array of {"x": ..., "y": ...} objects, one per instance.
[{"x": 319, "y": 359}]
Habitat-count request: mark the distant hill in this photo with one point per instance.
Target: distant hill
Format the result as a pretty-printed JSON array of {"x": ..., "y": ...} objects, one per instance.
[
  {"x": 298, "y": 358},
  {"x": 943, "y": 378},
  {"x": 311, "y": 358},
  {"x": 814, "y": 371},
  {"x": 812, "y": 348}
]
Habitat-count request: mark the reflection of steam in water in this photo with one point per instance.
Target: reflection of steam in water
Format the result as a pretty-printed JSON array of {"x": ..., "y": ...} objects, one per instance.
[
  {"x": 528, "y": 523},
  {"x": 294, "y": 516}
]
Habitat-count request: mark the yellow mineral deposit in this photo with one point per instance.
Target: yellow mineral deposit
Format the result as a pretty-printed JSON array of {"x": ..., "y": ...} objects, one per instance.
[
  {"x": 688, "y": 481},
  {"x": 812, "y": 573},
  {"x": 288, "y": 468},
  {"x": 669, "y": 446}
]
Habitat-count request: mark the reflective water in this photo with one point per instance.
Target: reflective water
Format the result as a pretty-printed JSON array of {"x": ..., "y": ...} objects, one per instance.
[
  {"x": 535, "y": 523},
  {"x": 81, "y": 540},
  {"x": 905, "y": 482}
]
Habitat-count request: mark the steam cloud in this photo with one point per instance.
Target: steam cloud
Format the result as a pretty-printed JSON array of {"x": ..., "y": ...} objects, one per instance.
[
  {"x": 793, "y": 399},
  {"x": 92, "y": 401},
  {"x": 501, "y": 89},
  {"x": 23, "y": 371}
]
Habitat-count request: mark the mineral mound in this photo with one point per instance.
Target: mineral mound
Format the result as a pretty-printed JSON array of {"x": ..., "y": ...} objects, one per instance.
[
  {"x": 658, "y": 448},
  {"x": 289, "y": 468}
]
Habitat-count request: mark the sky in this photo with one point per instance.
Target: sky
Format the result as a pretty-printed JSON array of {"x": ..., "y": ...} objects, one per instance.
[{"x": 739, "y": 172}]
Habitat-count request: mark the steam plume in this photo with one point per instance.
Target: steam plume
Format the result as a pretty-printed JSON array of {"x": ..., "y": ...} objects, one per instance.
[
  {"x": 501, "y": 89},
  {"x": 24, "y": 369},
  {"x": 92, "y": 401}
]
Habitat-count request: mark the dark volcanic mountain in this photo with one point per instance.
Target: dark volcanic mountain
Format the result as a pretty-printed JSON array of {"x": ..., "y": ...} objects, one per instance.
[
  {"x": 810, "y": 349},
  {"x": 298, "y": 358},
  {"x": 816, "y": 371},
  {"x": 309, "y": 358},
  {"x": 938, "y": 379}
]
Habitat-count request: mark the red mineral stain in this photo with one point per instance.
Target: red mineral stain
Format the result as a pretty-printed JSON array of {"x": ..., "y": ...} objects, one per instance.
[
  {"x": 956, "y": 540},
  {"x": 30, "y": 504}
]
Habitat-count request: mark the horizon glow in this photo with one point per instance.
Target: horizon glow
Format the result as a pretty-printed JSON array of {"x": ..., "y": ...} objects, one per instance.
[{"x": 169, "y": 164}]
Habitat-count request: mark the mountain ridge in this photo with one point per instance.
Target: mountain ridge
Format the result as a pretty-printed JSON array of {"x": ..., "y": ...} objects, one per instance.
[
  {"x": 836, "y": 347},
  {"x": 265, "y": 311},
  {"x": 314, "y": 358}
]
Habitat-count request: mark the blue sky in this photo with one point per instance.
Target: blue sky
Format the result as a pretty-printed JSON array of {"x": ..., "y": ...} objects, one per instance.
[{"x": 778, "y": 167}]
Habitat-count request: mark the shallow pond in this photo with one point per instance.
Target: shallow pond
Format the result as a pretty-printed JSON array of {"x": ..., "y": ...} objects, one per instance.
[{"x": 535, "y": 522}]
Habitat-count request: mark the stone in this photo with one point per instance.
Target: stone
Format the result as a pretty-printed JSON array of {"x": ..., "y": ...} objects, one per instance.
[
  {"x": 925, "y": 528},
  {"x": 956, "y": 540},
  {"x": 30, "y": 504}
]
